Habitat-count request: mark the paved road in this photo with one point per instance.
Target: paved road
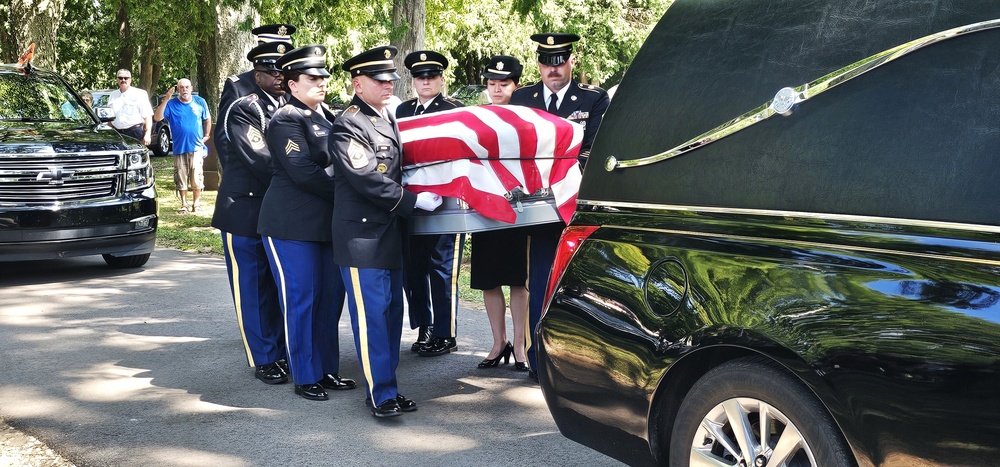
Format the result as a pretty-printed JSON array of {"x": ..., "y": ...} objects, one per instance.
[{"x": 145, "y": 367}]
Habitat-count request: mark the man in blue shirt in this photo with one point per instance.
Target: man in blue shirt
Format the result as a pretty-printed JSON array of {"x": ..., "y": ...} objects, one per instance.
[{"x": 190, "y": 127}]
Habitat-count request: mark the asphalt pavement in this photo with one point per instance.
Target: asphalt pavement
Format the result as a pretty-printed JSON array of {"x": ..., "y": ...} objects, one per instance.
[{"x": 145, "y": 367}]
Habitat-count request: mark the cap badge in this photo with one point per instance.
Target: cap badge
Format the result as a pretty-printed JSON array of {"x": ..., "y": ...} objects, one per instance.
[
  {"x": 281, "y": 48},
  {"x": 282, "y": 31},
  {"x": 387, "y": 53},
  {"x": 422, "y": 57},
  {"x": 317, "y": 51},
  {"x": 500, "y": 66},
  {"x": 549, "y": 40}
]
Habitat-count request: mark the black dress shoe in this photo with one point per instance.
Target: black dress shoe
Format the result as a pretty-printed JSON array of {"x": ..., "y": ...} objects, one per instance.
[
  {"x": 270, "y": 373},
  {"x": 334, "y": 382},
  {"x": 313, "y": 392},
  {"x": 438, "y": 346},
  {"x": 283, "y": 364},
  {"x": 405, "y": 405},
  {"x": 533, "y": 375},
  {"x": 389, "y": 408},
  {"x": 423, "y": 336}
]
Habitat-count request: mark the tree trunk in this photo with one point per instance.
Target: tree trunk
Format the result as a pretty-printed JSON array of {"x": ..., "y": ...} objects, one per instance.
[
  {"x": 126, "y": 49},
  {"x": 410, "y": 16},
  {"x": 149, "y": 54},
  {"x": 32, "y": 21},
  {"x": 221, "y": 54}
]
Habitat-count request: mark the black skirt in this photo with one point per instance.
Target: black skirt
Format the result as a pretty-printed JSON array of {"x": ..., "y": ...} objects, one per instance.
[{"x": 499, "y": 257}]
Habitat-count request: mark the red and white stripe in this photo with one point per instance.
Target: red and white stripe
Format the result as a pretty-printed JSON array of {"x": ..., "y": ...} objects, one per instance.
[{"x": 480, "y": 153}]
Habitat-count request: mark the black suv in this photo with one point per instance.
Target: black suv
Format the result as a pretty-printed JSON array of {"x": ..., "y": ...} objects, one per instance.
[
  {"x": 66, "y": 187},
  {"x": 787, "y": 243}
]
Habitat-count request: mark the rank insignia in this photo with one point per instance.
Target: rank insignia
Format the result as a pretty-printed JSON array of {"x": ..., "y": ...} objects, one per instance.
[
  {"x": 291, "y": 147},
  {"x": 256, "y": 139},
  {"x": 357, "y": 154},
  {"x": 374, "y": 119},
  {"x": 381, "y": 168}
]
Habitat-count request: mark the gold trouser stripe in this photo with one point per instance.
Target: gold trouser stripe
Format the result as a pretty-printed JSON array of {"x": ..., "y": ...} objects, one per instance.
[
  {"x": 455, "y": 269},
  {"x": 284, "y": 292},
  {"x": 359, "y": 305},
  {"x": 237, "y": 297},
  {"x": 527, "y": 316}
]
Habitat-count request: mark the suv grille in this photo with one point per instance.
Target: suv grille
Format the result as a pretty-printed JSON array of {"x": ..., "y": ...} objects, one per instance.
[{"x": 31, "y": 179}]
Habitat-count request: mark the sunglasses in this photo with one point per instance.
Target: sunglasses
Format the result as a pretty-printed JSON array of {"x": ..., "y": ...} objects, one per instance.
[
  {"x": 126, "y": 78},
  {"x": 271, "y": 73}
]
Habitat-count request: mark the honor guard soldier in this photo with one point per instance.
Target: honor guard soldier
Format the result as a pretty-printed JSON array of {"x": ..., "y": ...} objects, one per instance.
[
  {"x": 240, "y": 85},
  {"x": 237, "y": 209},
  {"x": 431, "y": 260},
  {"x": 559, "y": 94},
  {"x": 295, "y": 220},
  {"x": 368, "y": 230}
]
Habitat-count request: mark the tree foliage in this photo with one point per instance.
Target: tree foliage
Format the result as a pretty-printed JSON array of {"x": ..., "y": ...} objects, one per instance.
[{"x": 163, "y": 40}]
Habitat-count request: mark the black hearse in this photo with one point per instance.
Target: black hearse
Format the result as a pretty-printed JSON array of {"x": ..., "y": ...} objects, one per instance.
[
  {"x": 67, "y": 188},
  {"x": 787, "y": 244}
]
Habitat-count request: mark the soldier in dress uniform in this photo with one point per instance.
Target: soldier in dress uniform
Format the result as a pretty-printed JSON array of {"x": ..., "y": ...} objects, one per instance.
[
  {"x": 295, "y": 219},
  {"x": 559, "y": 94},
  {"x": 369, "y": 205},
  {"x": 432, "y": 261},
  {"x": 240, "y": 85},
  {"x": 237, "y": 209}
]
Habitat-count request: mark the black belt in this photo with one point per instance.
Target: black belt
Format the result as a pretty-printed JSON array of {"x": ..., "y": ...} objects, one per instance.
[{"x": 131, "y": 127}]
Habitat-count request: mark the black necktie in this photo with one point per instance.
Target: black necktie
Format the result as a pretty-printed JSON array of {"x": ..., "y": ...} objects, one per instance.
[
  {"x": 552, "y": 103},
  {"x": 420, "y": 109}
]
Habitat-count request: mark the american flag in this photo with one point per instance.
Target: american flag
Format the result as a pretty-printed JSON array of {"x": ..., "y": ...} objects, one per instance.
[{"x": 481, "y": 153}]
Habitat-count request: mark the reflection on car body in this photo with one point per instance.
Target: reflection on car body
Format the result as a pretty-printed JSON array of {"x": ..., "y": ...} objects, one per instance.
[{"x": 819, "y": 290}]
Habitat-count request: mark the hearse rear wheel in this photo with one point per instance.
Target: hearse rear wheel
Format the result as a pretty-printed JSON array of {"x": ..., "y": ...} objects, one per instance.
[{"x": 748, "y": 413}]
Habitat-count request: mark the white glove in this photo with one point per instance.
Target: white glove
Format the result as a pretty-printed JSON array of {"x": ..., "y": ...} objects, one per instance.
[{"x": 428, "y": 201}]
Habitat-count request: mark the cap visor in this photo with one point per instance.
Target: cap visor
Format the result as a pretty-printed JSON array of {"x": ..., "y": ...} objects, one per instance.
[
  {"x": 384, "y": 76},
  {"x": 552, "y": 60},
  {"x": 315, "y": 72}
]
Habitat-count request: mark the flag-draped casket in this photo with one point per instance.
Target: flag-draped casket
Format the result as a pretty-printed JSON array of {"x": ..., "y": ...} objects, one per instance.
[{"x": 498, "y": 166}]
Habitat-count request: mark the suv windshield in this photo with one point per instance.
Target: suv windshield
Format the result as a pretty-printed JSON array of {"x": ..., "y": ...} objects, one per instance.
[{"x": 39, "y": 98}]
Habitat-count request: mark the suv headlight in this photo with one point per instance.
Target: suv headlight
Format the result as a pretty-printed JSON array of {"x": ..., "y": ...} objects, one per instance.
[{"x": 139, "y": 172}]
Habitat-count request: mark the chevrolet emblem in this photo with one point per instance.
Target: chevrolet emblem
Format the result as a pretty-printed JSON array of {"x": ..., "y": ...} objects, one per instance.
[{"x": 54, "y": 175}]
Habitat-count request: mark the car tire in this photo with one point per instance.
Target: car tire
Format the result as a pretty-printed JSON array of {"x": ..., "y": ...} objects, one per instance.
[
  {"x": 703, "y": 432},
  {"x": 162, "y": 146},
  {"x": 121, "y": 262}
]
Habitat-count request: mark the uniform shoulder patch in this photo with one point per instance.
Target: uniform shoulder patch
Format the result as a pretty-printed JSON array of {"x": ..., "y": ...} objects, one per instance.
[
  {"x": 352, "y": 109},
  {"x": 234, "y": 78},
  {"x": 357, "y": 154}
]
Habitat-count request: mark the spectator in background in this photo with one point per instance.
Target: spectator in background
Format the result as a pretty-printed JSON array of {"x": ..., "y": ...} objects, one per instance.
[
  {"x": 133, "y": 113},
  {"x": 500, "y": 257},
  {"x": 87, "y": 98},
  {"x": 190, "y": 127}
]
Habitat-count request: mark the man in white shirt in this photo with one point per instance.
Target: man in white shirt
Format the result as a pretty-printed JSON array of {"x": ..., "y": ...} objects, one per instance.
[{"x": 133, "y": 112}]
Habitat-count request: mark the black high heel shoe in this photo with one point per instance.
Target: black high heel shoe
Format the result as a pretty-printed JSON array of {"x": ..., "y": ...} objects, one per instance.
[
  {"x": 505, "y": 354},
  {"x": 520, "y": 366}
]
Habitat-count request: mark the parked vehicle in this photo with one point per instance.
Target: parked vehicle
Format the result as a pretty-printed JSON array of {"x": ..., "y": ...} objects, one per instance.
[
  {"x": 159, "y": 137},
  {"x": 67, "y": 187},
  {"x": 787, "y": 244}
]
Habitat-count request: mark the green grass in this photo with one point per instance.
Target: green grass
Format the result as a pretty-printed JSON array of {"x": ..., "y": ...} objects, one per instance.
[{"x": 192, "y": 231}]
